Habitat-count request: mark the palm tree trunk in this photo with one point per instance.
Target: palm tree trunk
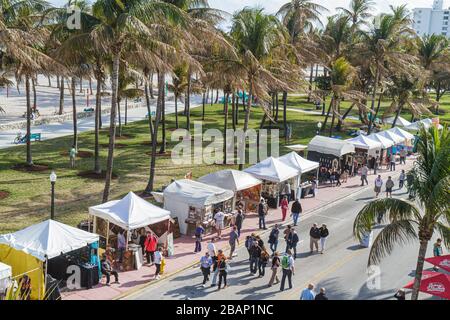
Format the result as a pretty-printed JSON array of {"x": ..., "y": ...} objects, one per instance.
[
  {"x": 285, "y": 127},
  {"x": 33, "y": 85},
  {"x": 324, "y": 105},
  {"x": 90, "y": 86},
  {"x": 217, "y": 96},
  {"x": 27, "y": 91},
  {"x": 369, "y": 130},
  {"x": 328, "y": 115},
  {"x": 163, "y": 117},
  {"x": 247, "y": 114},
  {"x": 151, "y": 86},
  {"x": 98, "y": 101},
  {"x": 397, "y": 114},
  {"x": 225, "y": 127},
  {"x": 374, "y": 94},
  {"x": 126, "y": 110},
  {"x": 233, "y": 110},
  {"x": 120, "y": 118},
  {"x": 333, "y": 118},
  {"x": 61, "y": 96},
  {"x": 151, "y": 179},
  {"x": 74, "y": 115},
  {"x": 187, "y": 103},
  {"x": 81, "y": 84},
  {"x": 419, "y": 269},
  {"x": 277, "y": 106},
  {"x": 112, "y": 124},
  {"x": 49, "y": 82},
  {"x": 57, "y": 82},
  {"x": 147, "y": 102},
  {"x": 348, "y": 111},
  {"x": 203, "y": 106},
  {"x": 237, "y": 108},
  {"x": 176, "y": 110},
  {"x": 311, "y": 75}
]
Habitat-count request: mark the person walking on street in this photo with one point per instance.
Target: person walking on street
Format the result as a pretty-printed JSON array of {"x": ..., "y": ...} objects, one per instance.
[
  {"x": 392, "y": 162},
  {"x": 287, "y": 237},
  {"x": 222, "y": 266},
  {"x": 248, "y": 244},
  {"x": 294, "y": 242},
  {"x": 437, "y": 250},
  {"x": 262, "y": 214},
  {"x": 378, "y": 185},
  {"x": 262, "y": 263},
  {"x": 287, "y": 265},
  {"x": 364, "y": 173},
  {"x": 211, "y": 248},
  {"x": 199, "y": 231},
  {"x": 150, "y": 247},
  {"x": 239, "y": 221},
  {"x": 389, "y": 187},
  {"x": 284, "y": 208},
  {"x": 403, "y": 154},
  {"x": 296, "y": 209},
  {"x": 402, "y": 179},
  {"x": 219, "y": 217},
  {"x": 205, "y": 266},
  {"x": 273, "y": 239},
  {"x": 314, "y": 237},
  {"x": 321, "y": 295},
  {"x": 287, "y": 191},
  {"x": 72, "y": 155},
  {"x": 275, "y": 266},
  {"x": 308, "y": 293},
  {"x": 158, "y": 261},
  {"x": 323, "y": 237},
  {"x": 234, "y": 239},
  {"x": 220, "y": 256},
  {"x": 255, "y": 254},
  {"x": 375, "y": 164}
]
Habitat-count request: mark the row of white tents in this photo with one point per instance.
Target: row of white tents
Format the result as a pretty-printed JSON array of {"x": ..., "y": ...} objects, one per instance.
[
  {"x": 382, "y": 140},
  {"x": 412, "y": 126}
]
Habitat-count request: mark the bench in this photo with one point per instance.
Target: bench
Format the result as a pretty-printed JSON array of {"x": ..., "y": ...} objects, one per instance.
[
  {"x": 153, "y": 114},
  {"x": 88, "y": 110},
  {"x": 35, "y": 137}
]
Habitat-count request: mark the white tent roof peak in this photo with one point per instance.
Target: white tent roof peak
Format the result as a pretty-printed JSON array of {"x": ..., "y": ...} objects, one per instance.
[
  {"x": 196, "y": 193},
  {"x": 331, "y": 146},
  {"x": 415, "y": 126},
  {"x": 272, "y": 169},
  {"x": 364, "y": 142},
  {"x": 131, "y": 212},
  {"x": 48, "y": 239},
  {"x": 294, "y": 160},
  {"x": 402, "y": 133},
  {"x": 230, "y": 179},
  {"x": 392, "y": 136},
  {"x": 387, "y": 143},
  {"x": 401, "y": 122}
]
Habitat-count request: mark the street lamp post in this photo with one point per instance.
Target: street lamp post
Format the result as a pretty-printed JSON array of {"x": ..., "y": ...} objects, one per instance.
[
  {"x": 319, "y": 126},
  {"x": 53, "y": 181}
]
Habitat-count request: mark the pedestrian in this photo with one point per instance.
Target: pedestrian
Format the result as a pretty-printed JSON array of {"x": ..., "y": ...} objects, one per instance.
[
  {"x": 107, "y": 270},
  {"x": 273, "y": 239},
  {"x": 150, "y": 247},
  {"x": 205, "y": 266},
  {"x": 199, "y": 231},
  {"x": 392, "y": 162},
  {"x": 212, "y": 248},
  {"x": 262, "y": 214},
  {"x": 294, "y": 242},
  {"x": 121, "y": 245},
  {"x": 287, "y": 265},
  {"x": 321, "y": 295},
  {"x": 344, "y": 176},
  {"x": 275, "y": 265},
  {"x": 287, "y": 191},
  {"x": 389, "y": 187},
  {"x": 219, "y": 217},
  {"x": 248, "y": 244},
  {"x": 364, "y": 173},
  {"x": 337, "y": 176},
  {"x": 437, "y": 250},
  {"x": 239, "y": 221},
  {"x": 378, "y": 185},
  {"x": 400, "y": 295},
  {"x": 222, "y": 266},
  {"x": 284, "y": 207},
  {"x": 402, "y": 179},
  {"x": 158, "y": 262},
  {"x": 403, "y": 154},
  {"x": 220, "y": 256},
  {"x": 255, "y": 254},
  {"x": 323, "y": 237},
  {"x": 332, "y": 177},
  {"x": 296, "y": 209},
  {"x": 234, "y": 239},
  {"x": 314, "y": 237},
  {"x": 72, "y": 155},
  {"x": 308, "y": 293},
  {"x": 287, "y": 238},
  {"x": 262, "y": 263},
  {"x": 375, "y": 164}
]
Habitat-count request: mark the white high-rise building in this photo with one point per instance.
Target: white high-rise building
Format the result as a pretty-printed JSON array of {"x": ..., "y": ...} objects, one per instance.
[{"x": 432, "y": 20}]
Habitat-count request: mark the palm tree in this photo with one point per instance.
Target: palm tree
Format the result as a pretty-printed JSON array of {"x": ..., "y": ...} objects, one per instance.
[
  {"x": 178, "y": 86},
  {"x": 409, "y": 221},
  {"x": 358, "y": 13}
]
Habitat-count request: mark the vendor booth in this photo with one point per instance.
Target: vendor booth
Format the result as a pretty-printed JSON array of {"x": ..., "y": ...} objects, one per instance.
[
  {"x": 401, "y": 122},
  {"x": 392, "y": 136},
  {"x": 5, "y": 278},
  {"x": 275, "y": 175},
  {"x": 49, "y": 248},
  {"x": 305, "y": 181},
  {"x": 194, "y": 203},
  {"x": 135, "y": 216},
  {"x": 246, "y": 188},
  {"x": 402, "y": 133},
  {"x": 330, "y": 152},
  {"x": 426, "y": 123},
  {"x": 365, "y": 147}
]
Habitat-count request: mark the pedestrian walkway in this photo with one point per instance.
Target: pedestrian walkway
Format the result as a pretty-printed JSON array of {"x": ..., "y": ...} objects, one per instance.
[{"x": 184, "y": 257}]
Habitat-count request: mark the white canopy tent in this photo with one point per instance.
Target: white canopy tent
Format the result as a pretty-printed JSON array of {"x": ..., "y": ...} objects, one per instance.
[
  {"x": 48, "y": 239},
  {"x": 427, "y": 123},
  {"x": 392, "y": 136},
  {"x": 330, "y": 146},
  {"x": 231, "y": 180},
  {"x": 182, "y": 194},
  {"x": 272, "y": 169},
  {"x": 131, "y": 212},
  {"x": 402, "y": 133},
  {"x": 298, "y": 163},
  {"x": 386, "y": 143},
  {"x": 366, "y": 143},
  {"x": 297, "y": 147},
  {"x": 5, "y": 277},
  {"x": 401, "y": 122}
]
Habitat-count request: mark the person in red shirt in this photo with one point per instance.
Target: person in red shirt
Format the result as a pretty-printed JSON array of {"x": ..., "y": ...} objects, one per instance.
[
  {"x": 284, "y": 207},
  {"x": 151, "y": 243}
]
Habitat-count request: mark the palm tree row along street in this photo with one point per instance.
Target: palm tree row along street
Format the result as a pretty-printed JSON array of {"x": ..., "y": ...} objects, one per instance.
[{"x": 106, "y": 87}]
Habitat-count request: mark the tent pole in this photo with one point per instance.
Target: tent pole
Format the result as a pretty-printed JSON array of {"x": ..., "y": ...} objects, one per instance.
[{"x": 107, "y": 234}]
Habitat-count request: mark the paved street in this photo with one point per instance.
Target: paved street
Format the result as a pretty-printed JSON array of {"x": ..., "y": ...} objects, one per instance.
[{"x": 341, "y": 270}]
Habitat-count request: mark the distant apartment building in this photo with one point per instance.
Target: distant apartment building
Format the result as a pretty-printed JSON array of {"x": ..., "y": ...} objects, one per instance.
[{"x": 433, "y": 20}]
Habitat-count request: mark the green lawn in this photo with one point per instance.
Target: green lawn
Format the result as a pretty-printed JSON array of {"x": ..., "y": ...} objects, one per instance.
[{"x": 30, "y": 192}]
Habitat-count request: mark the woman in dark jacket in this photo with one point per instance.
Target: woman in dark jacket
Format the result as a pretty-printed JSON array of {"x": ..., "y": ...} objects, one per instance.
[{"x": 323, "y": 236}]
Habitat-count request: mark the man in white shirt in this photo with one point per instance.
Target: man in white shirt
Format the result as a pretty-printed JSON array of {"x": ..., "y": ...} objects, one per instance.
[
  {"x": 219, "y": 217},
  {"x": 378, "y": 185},
  {"x": 211, "y": 247},
  {"x": 364, "y": 173}
]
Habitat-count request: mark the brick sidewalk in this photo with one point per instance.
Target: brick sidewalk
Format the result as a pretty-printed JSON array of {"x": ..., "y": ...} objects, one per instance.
[{"x": 184, "y": 246}]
